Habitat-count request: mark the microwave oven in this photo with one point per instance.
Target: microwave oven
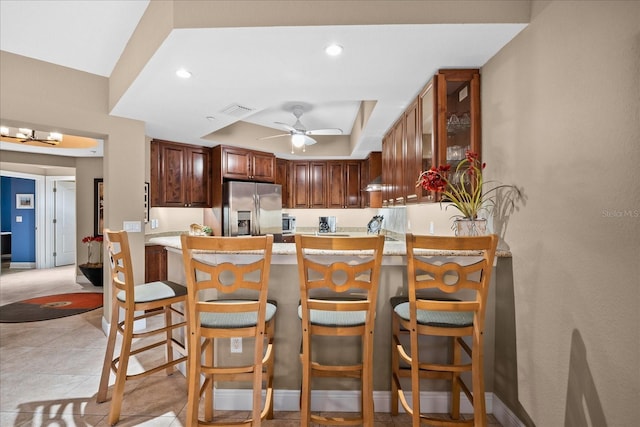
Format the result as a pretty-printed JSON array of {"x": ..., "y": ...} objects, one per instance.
[{"x": 288, "y": 224}]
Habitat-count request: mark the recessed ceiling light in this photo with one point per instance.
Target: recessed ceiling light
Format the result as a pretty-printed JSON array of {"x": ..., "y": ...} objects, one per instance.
[
  {"x": 183, "y": 74},
  {"x": 333, "y": 49},
  {"x": 210, "y": 118}
]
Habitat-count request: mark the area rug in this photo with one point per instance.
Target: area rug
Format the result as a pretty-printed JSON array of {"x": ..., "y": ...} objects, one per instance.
[{"x": 50, "y": 307}]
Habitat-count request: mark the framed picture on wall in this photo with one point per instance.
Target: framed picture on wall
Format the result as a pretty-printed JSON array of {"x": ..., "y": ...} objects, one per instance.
[
  {"x": 98, "y": 197},
  {"x": 24, "y": 201}
]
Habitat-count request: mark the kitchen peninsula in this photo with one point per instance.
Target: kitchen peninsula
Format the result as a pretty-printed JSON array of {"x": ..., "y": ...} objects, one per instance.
[{"x": 283, "y": 287}]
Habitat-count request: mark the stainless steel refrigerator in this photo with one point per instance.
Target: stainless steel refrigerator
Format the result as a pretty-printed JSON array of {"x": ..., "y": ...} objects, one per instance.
[{"x": 251, "y": 209}]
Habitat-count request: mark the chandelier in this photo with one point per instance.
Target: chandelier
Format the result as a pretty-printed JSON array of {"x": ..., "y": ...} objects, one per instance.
[{"x": 29, "y": 135}]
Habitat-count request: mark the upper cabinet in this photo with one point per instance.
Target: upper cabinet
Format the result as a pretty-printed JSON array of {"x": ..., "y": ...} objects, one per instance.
[
  {"x": 372, "y": 171},
  {"x": 180, "y": 175},
  {"x": 436, "y": 129},
  {"x": 344, "y": 188},
  {"x": 246, "y": 165},
  {"x": 458, "y": 116},
  {"x": 308, "y": 184},
  {"x": 282, "y": 178},
  {"x": 425, "y": 146}
]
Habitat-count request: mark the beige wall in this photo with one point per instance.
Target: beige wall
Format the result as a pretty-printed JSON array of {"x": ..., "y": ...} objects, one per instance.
[
  {"x": 561, "y": 120},
  {"x": 42, "y": 95}
]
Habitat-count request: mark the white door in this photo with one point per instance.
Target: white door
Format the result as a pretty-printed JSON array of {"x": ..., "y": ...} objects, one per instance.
[{"x": 65, "y": 223}]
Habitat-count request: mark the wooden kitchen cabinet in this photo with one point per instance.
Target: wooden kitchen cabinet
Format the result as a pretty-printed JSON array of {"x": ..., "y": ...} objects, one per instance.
[
  {"x": 246, "y": 165},
  {"x": 435, "y": 130},
  {"x": 344, "y": 184},
  {"x": 411, "y": 150},
  {"x": 458, "y": 115},
  {"x": 371, "y": 170},
  {"x": 180, "y": 175},
  {"x": 282, "y": 178},
  {"x": 425, "y": 149},
  {"x": 155, "y": 263},
  {"x": 387, "y": 169},
  {"x": 308, "y": 184}
]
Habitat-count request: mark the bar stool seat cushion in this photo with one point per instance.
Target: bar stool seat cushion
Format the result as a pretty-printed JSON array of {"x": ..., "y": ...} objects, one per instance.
[
  {"x": 155, "y": 291},
  {"x": 236, "y": 320},
  {"x": 335, "y": 318},
  {"x": 442, "y": 319}
]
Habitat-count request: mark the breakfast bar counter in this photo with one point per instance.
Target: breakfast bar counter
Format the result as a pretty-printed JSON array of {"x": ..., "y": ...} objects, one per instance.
[{"x": 283, "y": 287}]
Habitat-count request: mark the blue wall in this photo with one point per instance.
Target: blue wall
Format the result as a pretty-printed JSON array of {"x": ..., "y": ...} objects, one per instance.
[{"x": 23, "y": 234}]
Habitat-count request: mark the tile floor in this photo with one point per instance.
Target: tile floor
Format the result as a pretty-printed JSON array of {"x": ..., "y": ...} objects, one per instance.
[{"x": 50, "y": 370}]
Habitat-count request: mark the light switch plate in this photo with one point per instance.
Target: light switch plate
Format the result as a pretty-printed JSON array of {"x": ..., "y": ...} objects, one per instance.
[{"x": 132, "y": 226}]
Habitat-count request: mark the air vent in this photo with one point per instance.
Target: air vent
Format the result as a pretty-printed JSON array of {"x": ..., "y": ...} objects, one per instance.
[{"x": 236, "y": 110}]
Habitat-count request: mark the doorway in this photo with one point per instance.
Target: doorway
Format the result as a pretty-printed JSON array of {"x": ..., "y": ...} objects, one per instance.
[
  {"x": 45, "y": 212},
  {"x": 64, "y": 223}
]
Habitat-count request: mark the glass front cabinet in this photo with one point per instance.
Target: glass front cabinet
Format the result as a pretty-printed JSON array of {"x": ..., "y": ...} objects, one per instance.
[{"x": 435, "y": 130}]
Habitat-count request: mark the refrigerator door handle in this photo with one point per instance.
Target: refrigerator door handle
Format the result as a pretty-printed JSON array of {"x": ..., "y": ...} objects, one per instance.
[{"x": 256, "y": 226}]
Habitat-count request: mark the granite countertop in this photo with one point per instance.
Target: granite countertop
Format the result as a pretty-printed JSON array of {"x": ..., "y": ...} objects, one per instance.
[{"x": 391, "y": 248}]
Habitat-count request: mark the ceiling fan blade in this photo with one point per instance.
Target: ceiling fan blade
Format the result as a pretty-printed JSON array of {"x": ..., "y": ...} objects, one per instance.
[
  {"x": 46, "y": 141},
  {"x": 286, "y": 126},
  {"x": 309, "y": 141},
  {"x": 334, "y": 131},
  {"x": 274, "y": 136}
]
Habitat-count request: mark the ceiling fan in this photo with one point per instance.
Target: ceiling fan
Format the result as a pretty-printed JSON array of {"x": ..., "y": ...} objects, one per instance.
[
  {"x": 300, "y": 135},
  {"x": 29, "y": 135}
]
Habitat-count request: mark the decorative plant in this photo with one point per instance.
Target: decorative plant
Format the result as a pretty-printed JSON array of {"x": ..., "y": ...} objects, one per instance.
[
  {"x": 90, "y": 241},
  {"x": 465, "y": 189}
]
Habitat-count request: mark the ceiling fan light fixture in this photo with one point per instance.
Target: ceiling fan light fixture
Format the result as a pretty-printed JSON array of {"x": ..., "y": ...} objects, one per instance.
[
  {"x": 24, "y": 133},
  {"x": 297, "y": 140},
  {"x": 334, "y": 49},
  {"x": 183, "y": 74},
  {"x": 55, "y": 136}
]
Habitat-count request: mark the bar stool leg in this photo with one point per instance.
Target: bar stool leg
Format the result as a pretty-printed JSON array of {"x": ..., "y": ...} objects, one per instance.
[
  {"x": 123, "y": 363},
  {"x": 305, "y": 392},
  {"x": 367, "y": 379},
  {"x": 108, "y": 357}
]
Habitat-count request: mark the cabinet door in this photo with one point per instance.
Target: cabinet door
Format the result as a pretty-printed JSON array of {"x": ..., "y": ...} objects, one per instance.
[
  {"x": 458, "y": 115},
  {"x": 411, "y": 171},
  {"x": 425, "y": 149},
  {"x": 300, "y": 188},
  {"x": 398, "y": 163},
  {"x": 155, "y": 263},
  {"x": 263, "y": 167},
  {"x": 371, "y": 168},
  {"x": 172, "y": 183},
  {"x": 198, "y": 177},
  {"x": 317, "y": 184},
  {"x": 387, "y": 170},
  {"x": 336, "y": 188},
  {"x": 282, "y": 178},
  {"x": 235, "y": 163},
  {"x": 352, "y": 185}
]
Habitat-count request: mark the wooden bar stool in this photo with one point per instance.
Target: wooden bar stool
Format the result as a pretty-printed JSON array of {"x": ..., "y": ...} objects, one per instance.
[
  {"x": 137, "y": 302},
  {"x": 227, "y": 280},
  {"x": 432, "y": 308},
  {"x": 338, "y": 298}
]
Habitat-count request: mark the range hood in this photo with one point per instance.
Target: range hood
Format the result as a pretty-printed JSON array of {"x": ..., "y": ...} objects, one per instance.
[{"x": 375, "y": 185}]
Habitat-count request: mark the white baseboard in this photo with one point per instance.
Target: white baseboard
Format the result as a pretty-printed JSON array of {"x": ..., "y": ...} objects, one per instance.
[
  {"x": 22, "y": 265},
  {"x": 349, "y": 401}
]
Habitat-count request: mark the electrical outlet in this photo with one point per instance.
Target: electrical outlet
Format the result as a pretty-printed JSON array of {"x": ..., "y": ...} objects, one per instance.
[{"x": 236, "y": 345}]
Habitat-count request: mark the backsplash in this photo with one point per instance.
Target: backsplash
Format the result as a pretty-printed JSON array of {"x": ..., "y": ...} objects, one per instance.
[{"x": 395, "y": 220}]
